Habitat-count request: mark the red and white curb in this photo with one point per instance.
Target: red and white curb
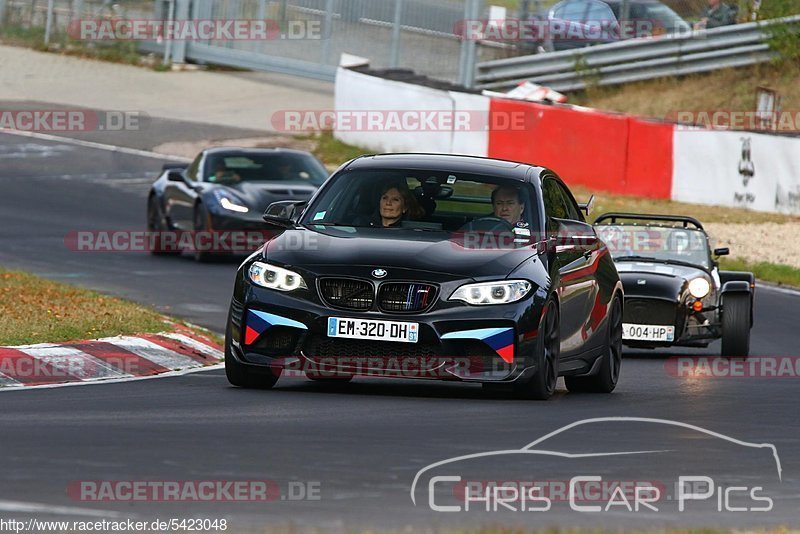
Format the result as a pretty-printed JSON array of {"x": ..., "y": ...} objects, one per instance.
[{"x": 118, "y": 358}]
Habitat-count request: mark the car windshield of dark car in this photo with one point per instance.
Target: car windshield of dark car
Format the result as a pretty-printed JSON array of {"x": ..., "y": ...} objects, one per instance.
[
  {"x": 420, "y": 200},
  {"x": 230, "y": 169},
  {"x": 655, "y": 243}
]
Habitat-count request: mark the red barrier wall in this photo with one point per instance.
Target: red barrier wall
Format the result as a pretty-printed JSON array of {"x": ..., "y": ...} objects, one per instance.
[
  {"x": 648, "y": 170},
  {"x": 603, "y": 151}
]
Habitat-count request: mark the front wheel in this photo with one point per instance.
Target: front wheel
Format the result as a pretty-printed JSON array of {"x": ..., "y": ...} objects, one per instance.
[
  {"x": 157, "y": 225},
  {"x": 605, "y": 381},
  {"x": 201, "y": 226},
  {"x": 736, "y": 326},
  {"x": 542, "y": 385}
]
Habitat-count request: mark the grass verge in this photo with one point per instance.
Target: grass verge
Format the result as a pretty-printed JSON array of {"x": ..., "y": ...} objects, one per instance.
[
  {"x": 36, "y": 310},
  {"x": 331, "y": 151},
  {"x": 769, "y": 272}
]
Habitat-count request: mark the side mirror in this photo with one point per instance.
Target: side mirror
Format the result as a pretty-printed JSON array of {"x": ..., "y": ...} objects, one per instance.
[
  {"x": 573, "y": 234},
  {"x": 586, "y": 207},
  {"x": 175, "y": 176},
  {"x": 282, "y": 214},
  {"x": 722, "y": 251}
]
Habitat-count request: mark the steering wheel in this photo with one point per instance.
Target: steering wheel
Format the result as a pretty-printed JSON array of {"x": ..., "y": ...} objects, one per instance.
[{"x": 490, "y": 223}]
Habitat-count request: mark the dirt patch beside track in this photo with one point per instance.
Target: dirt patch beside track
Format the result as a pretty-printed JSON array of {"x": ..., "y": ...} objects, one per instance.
[{"x": 766, "y": 242}]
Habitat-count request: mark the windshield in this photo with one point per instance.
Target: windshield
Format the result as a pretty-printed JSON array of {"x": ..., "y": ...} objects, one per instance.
[
  {"x": 655, "y": 243},
  {"x": 279, "y": 167},
  {"x": 425, "y": 201}
]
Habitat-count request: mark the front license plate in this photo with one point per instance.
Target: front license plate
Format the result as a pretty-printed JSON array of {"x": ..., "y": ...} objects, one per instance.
[
  {"x": 648, "y": 332},
  {"x": 373, "y": 329}
]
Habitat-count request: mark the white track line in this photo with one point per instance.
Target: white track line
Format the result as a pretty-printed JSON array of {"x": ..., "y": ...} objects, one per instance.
[
  {"x": 99, "y": 381},
  {"x": 91, "y": 144},
  {"x": 36, "y": 508}
]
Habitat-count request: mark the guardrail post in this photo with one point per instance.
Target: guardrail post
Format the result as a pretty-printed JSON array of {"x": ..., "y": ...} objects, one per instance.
[
  {"x": 327, "y": 32},
  {"x": 462, "y": 57},
  {"x": 261, "y": 14},
  {"x": 469, "y": 46},
  {"x": 625, "y": 16},
  {"x": 2, "y": 12},
  {"x": 77, "y": 9},
  {"x": 394, "y": 62},
  {"x": 49, "y": 24},
  {"x": 167, "y": 39},
  {"x": 179, "y": 47}
]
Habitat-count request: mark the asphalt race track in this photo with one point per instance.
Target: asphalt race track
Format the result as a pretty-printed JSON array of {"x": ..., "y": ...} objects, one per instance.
[{"x": 354, "y": 449}]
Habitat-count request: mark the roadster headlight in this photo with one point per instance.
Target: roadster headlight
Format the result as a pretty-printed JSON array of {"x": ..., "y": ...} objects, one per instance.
[
  {"x": 500, "y": 292},
  {"x": 230, "y": 202},
  {"x": 699, "y": 287},
  {"x": 272, "y": 277}
]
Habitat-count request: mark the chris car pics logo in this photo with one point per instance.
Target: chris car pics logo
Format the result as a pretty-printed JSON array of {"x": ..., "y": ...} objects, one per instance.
[{"x": 504, "y": 481}]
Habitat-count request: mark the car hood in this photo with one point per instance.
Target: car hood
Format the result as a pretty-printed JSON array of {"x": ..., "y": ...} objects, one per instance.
[
  {"x": 649, "y": 279},
  {"x": 341, "y": 250},
  {"x": 259, "y": 195}
]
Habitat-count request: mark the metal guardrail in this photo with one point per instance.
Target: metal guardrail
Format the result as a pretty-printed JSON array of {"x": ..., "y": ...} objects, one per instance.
[{"x": 636, "y": 59}]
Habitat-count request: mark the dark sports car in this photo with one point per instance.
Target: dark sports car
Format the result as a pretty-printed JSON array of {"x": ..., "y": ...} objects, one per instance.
[
  {"x": 226, "y": 190},
  {"x": 675, "y": 294},
  {"x": 431, "y": 266}
]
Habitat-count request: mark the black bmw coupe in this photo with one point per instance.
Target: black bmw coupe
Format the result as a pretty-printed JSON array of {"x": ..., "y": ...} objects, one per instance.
[{"x": 431, "y": 266}]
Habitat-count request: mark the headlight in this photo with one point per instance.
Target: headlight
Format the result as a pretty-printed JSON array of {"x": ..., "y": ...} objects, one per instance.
[
  {"x": 230, "y": 202},
  {"x": 500, "y": 292},
  {"x": 699, "y": 287},
  {"x": 272, "y": 277}
]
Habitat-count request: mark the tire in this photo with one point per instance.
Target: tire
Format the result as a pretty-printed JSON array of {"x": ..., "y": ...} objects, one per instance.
[
  {"x": 605, "y": 381},
  {"x": 157, "y": 223},
  {"x": 542, "y": 384},
  {"x": 238, "y": 374},
  {"x": 201, "y": 225},
  {"x": 736, "y": 325}
]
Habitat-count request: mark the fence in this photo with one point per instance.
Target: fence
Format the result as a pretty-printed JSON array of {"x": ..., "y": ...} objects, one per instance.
[
  {"x": 636, "y": 59},
  {"x": 412, "y": 34}
]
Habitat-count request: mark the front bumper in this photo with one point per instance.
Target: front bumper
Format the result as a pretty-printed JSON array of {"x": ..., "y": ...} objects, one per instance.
[
  {"x": 692, "y": 328},
  {"x": 271, "y": 331}
]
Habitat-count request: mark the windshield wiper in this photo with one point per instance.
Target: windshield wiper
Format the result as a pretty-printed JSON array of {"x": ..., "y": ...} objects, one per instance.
[{"x": 637, "y": 258}]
